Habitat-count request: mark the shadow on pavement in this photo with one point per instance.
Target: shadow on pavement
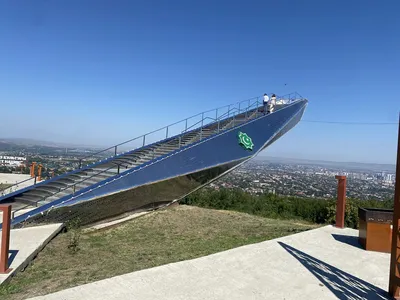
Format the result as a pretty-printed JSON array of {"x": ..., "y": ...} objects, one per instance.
[
  {"x": 347, "y": 239},
  {"x": 341, "y": 284},
  {"x": 12, "y": 254}
]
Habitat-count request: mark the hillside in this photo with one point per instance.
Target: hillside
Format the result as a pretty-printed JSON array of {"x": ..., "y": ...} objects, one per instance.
[{"x": 152, "y": 240}]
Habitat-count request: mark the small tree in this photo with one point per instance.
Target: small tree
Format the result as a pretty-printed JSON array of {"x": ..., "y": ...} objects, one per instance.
[{"x": 74, "y": 231}]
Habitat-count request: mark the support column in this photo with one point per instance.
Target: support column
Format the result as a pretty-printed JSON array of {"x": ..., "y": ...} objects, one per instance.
[
  {"x": 341, "y": 201},
  {"x": 394, "y": 278},
  {"x": 5, "y": 238}
]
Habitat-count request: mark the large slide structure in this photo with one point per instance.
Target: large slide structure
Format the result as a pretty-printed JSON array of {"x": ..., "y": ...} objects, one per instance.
[{"x": 158, "y": 168}]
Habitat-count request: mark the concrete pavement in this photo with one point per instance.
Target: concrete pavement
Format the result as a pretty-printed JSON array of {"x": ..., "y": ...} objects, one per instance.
[
  {"x": 324, "y": 263},
  {"x": 13, "y": 179},
  {"x": 26, "y": 243}
]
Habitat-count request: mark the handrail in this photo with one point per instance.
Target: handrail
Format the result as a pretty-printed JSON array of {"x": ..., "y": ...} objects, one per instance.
[
  {"x": 231, "y": 109},
  {"x": 17, "y": 183},
  {"x": 223, "y": 115},
  {"x": 105, "y": 170},
  {"x": 65, "y": 188},
  {"x": 162, "y": 128}
]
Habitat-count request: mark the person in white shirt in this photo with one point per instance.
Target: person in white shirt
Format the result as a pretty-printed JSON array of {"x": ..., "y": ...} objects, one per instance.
[
  {"x": 265, "y": 102},
  {"x": 271, "y": 104}
]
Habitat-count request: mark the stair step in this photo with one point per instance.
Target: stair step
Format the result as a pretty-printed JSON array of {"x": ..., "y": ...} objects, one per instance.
[
  {"x": 50, "y": 188},
  {"x": 57, "y": 184},
  {"x": 66, "y": 180},
  {"x": 38, "y": 193},
  {"x": 26, "y": 200}
]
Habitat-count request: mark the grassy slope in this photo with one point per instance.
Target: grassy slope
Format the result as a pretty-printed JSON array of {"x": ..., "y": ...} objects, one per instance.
[
  {"x": 3, "y": 186},
  {"x": 159, "y": 238}
]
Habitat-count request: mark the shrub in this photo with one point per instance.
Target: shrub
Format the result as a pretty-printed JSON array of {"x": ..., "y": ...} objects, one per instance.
[{"x": 319, "y": 211}]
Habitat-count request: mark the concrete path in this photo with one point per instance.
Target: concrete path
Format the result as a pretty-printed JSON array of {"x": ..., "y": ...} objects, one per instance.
[
  {"x": 25, "y": 244},
  {"x": 13, "y": 179},
  {"x": 325, "y": 263}
]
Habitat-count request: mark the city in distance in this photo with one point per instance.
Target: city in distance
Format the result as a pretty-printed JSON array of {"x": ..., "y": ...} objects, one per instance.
[
  {"x": 347, "y": 165},
  {"x": 263, "y": 174}
]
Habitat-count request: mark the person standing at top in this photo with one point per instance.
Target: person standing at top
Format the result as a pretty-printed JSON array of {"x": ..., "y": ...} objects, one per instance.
[
  {"x": 271, "y": 104},
  {"x": 265, "y": 102}
]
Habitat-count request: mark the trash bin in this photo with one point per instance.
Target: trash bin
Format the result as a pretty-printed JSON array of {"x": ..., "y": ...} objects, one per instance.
[{"x": 375, "y": 229}]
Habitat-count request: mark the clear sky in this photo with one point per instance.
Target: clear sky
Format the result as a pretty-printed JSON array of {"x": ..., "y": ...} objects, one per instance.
[{"x": 100, "y": 72}]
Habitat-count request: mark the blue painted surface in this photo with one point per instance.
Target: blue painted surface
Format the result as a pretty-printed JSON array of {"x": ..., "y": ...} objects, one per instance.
[
  {"x": 96, "y": 164},
  {"x": 215, "y": 150}
]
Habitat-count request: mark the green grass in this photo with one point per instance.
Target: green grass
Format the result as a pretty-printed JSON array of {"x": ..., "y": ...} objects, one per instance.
[
  {"x": 155, "y": 239},
  {"x": 3, "y": 186}
]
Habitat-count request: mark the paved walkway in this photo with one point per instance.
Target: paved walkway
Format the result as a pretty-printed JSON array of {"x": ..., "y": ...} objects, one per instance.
[
  {"x": 325, "y": 263},
  {"x": 26, "y": 243},
  {"x": 13, "y": 179}
]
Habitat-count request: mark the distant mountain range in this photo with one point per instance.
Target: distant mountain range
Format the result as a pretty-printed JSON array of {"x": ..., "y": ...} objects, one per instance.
[
  {"x": 332, "y": 164},
  {"x": 7, "y": 142}
]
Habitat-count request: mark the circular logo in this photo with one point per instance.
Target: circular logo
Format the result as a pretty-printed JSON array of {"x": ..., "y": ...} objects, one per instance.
[{"x": 245, "y": 141}]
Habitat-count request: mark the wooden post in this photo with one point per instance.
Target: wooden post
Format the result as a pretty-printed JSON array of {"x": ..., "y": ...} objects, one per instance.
[
  {"x": 5, "y": 238},
  {"x": 341, "y": 201},
  {"x": 394, "y": 277},
  {"x": 39, "y": 172},
  {"x": 33, "y": 169}
]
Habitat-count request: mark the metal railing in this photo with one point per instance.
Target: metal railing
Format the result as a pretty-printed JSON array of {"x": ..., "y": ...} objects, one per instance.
[
  {"x": 185, "y": 125},
  {"x": 178, "y": 129},
  {"x": 10, "y": 187},
  {"x": 174, "y": 129},
  {"x": 70, "y": 186}
]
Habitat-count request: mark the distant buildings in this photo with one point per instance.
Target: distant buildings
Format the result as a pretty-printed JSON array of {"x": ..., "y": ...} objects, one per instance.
[
  {"x": 12, "y": 161},
  {"x": 314, "y": 181}
]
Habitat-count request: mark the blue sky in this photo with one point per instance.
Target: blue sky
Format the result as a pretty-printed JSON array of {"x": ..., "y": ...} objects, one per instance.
[{"x": 100, "y": 72}]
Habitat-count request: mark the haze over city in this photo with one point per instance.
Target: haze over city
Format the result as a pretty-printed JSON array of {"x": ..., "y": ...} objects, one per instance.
[{"x": 101, "y": 72}]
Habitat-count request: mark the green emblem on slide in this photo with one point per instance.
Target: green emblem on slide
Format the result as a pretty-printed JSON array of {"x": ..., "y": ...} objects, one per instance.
[{"x": 245, "y": 141}]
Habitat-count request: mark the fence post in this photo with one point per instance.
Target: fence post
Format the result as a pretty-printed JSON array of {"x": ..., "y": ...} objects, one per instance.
[
  {"x": 144, "y": 140},
  {"x": 115, "y": 150},
  {"x": 166, "y": 135},
  {"x": 5, "y": 238},
  {"x": 341, "y": 201}
]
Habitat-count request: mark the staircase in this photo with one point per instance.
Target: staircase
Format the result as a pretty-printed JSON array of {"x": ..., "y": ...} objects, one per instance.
[
  {"x": 72, "y": 183},
  {"x": 204, "y": 127}
]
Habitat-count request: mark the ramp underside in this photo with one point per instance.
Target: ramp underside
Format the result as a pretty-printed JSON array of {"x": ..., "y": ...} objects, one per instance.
[{"x": 146, "y": 197}]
